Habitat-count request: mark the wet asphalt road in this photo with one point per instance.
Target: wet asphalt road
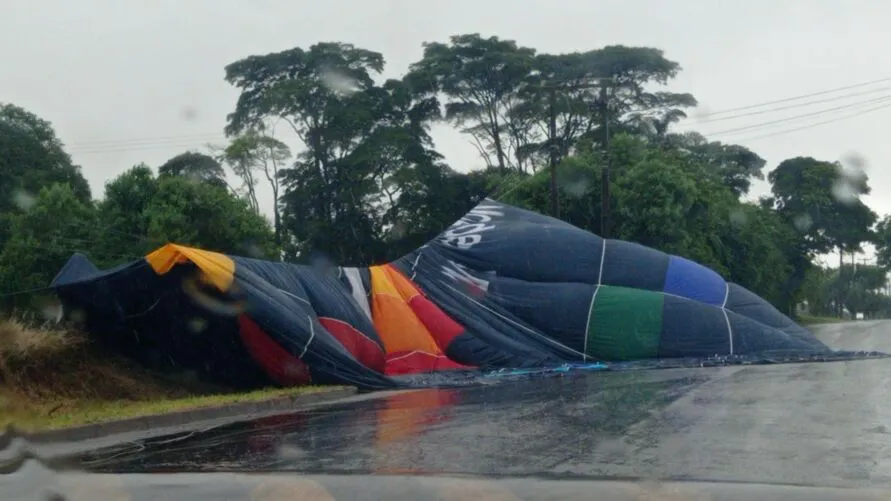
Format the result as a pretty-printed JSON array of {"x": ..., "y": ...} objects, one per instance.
[{"x": 823, "y": 424}]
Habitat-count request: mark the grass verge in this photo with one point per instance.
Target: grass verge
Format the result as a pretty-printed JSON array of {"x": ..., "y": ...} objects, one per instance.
[
  {"x": 811, "y": 320},
  {"x": 53, "y": 378}
]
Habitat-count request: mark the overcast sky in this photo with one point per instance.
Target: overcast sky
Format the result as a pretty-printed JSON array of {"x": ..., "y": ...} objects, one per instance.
[{"x": 127, "y": 81}]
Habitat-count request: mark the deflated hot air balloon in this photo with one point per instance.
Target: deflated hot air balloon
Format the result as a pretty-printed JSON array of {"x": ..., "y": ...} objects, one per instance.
[{"x": 502, "y": 287}]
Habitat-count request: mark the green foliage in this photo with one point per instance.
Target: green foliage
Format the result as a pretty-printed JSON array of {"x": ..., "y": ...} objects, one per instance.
[
  {"x": 756, "y": 246},
  {"x": 579, "y": 183},
  {"x": 123, "y": 218},
  {"x": 662, "y": 194},
  {"x": 482, "y": 78},
  {"x": 734, "y": 165},
  {"x": 138, "y": 214},
  {"x": 196, "y": 167},
  {"x": 503, "y": 95},
  {"x": 882, "y": 240},
  {"x": 253, "y": 156},
  {"x": 199, "y": 215},
  {"x": 31, "y": 157},
  {"x": 44, "y": 237},
  {"x": 141, "y": 212},
  {"x": 858, "y": 288},
  {"x": 822, "y": 203},
  {"x": 360, "y": 137}
]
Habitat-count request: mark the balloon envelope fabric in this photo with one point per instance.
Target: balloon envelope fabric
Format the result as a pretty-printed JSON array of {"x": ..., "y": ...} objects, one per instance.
[{"x": 503, "y": 287}]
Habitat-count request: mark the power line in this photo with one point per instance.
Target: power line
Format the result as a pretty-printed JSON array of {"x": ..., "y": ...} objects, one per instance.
[
  {"x": 816, "y": 124},
  {"x": 145, "y": 144},
  {"x": 138, "y": 147},
  {"x": 802, "y": 96},
  {"x": 797, "y": 117},
  {"x": 137, "y": 140},
  {"x": 709, "y": 119}
]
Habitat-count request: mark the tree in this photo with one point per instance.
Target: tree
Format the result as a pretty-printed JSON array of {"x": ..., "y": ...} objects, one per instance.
[
  {"x": 141, "y": 212},
  {"x": 357, "y": 135},
  {"x": 254, "y": 153},
  {"x": 482, "y": 78},
  {"x": 322, "y": 93},
  {"x": 208, "y": 217},
  {"x": 123, "y": 216},
  {"x": 44, "y": 237},
  {"x": 626, "y": 72},
  {"x": 195, "y": 166},
  {"x": 855, "y": 221},
  {"x": 822, "y": 202},
  {"x": 505, "y": 95},
  {"x": 856, "y": 287},
  {"x": 757, "y": 248},
  {"x": 607, "y": 86},
  {"x": 31, "y": 157},
  {"x": 666, "y": 195},
  {"x": 806, "y": 190},
  {"x": 735, "y": 165},
  {"x": 882, "y": 240}
]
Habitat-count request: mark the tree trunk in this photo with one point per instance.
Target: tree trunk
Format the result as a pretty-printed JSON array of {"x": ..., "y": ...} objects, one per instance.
[{"x": 276, "y": 219}]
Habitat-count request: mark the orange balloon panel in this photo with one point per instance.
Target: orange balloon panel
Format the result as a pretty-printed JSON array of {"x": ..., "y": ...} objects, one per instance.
[{"x": 398, "y": 327}]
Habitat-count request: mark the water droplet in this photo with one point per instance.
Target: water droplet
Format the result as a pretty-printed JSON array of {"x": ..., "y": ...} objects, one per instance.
[
  {"x": 701, "y": 112},
  {"x": 189, "y": 114},
  {"x": 54, "y": 496},
  {"x": 296, "y": 370},
  {"x": 52, "y": 312},
  {"x": 738, "y": 218},
  {"x": 77, "y": 316},
  {"x": 322, "y": 263},
  {"x": 843, "y": 191},
  {"x": 575, "y": 188},
  {"x": 854, "y": 161},
  {"x": 252, "y": 249},
  {"x": 398, "y": 229},
  {"x": 194, "y": 177},
  {"x": 23, "y": 200},
  {"x": 338, "y": 82},
  {"x": 803, "y": 222},
  {"x": 196, "y": 288},
  {"x": 471, "y": 289},
  {"x": 851, "y": 179},
  {"x": 289, "y": 451},
  {"x": 197, "y": 325}
]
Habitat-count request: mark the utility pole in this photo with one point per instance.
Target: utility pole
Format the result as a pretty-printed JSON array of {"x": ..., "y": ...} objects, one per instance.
[
  {"x": 841, "y": 267},
  {"x": 552, "y": 132},
  {"x": 605, "y": 219}
]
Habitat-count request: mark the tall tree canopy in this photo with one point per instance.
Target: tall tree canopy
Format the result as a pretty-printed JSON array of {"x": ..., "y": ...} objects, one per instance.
[
  {"x": 823, "y": 203},
  {"x": 31, "y": 157},
  {"x": 195, "y": 166},
  {"x": 504, "y": 95},
  {"x": 253, "y": 156},
  {"x": 357, "y": 135}
]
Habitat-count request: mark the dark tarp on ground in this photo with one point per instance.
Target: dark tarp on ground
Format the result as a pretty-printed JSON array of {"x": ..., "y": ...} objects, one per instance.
[{"x": 502, "y": 287}]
